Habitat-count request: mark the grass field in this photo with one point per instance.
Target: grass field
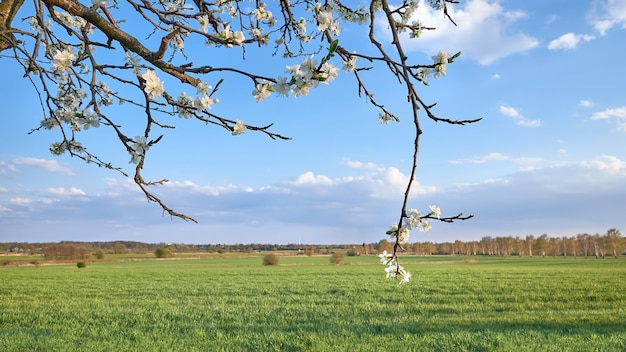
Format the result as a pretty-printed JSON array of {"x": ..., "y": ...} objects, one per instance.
[{"x": 306, "y": 304}]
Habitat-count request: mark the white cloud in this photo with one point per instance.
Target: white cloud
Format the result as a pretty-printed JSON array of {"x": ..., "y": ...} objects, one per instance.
[
  {"x": 310, "y": 178},
  {"x": 607, "y": 163},
  {"x": 569, "y": 41},
  {"x": 6, "y": 169},
  {"x": 520, "y": 120},
  {"x": 618, "y": 114},
  {"x": 48, "y": 165},
  {"x": 20, "y": 201},
  {"x": 586, "y": 103},
  {"x": 495, "y": 76},
  {"x": 560, "y": 200},
  {"x": 62, "y": 191},
  {"x": 608, "y": 13},
  {"x": 497, "y": 157},
  {"x": 484, "y": 33},
  {"x": 360, "y": 165}
]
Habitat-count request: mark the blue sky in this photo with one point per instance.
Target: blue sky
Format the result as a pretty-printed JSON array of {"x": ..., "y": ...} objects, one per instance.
[{"x": 549, "y": 155}]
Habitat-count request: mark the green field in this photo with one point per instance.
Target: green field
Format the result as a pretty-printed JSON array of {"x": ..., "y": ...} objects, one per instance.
[{"x": 306, "y": 304}]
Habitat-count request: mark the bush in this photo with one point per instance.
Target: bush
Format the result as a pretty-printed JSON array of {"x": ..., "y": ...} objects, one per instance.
[
  {"x": 81, "y": 265},
  {"x": 270, "y": 259},
  {"x": 336, "y": 258},
  {"x": 99, "y": 254},
  {"x": 162, "y": 252}
]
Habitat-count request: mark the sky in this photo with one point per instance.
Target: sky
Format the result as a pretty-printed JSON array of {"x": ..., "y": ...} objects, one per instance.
[{"x": 549, "y": 155}]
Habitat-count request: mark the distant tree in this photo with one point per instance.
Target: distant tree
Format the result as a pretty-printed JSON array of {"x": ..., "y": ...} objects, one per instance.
[
  {"x": 542, "y": 245},
  {"x": 615, "y": 241},
  {"x": 530, "y": 243},
  {"x": 337, "y": 257},
  {"x": 99, "y": 254},
  {"x": 555, "y": 246},
  {"x": 162, "y": 252},
  {"x": 584, "y": 241},
  {"x": 120, "y": 248},
  {"x": 599, "y": 245},
  {"x": 66, "y": 251},
  {"x": 271, "y": 259}
]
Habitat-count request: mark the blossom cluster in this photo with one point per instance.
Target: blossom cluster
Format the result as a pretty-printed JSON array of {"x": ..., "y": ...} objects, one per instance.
[
  {"x": 326, "y": 20},
  {"x": 138, "y": 149},
  {"x": 230, "y": 37},
  {"x": 441, "y": 63},
  {"x": 202, "y": 102},
  {"x": 303, "y": 77},
  {"x": 412, "y": 220},
  {"x": 393, "y": 267}
]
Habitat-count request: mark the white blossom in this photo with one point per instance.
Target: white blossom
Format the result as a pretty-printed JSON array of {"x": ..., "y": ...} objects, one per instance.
[
  {"x": 329, "y": 72},
  {"x": 325, "y": 21},
  {"x": 261, "y": 13},
  {"x": 204, "y": 102},
  {"x": 63, "y": 59},
  {"x": 138, "y": 149},
  {"x": 436, "y": 211},
  {"x": 350, "y": 65},
  {"x": 239, "y": 128},
  {"x": 154, "y": 87},
  {"x": 261, "y": 91},
  {"x": 282, "y": 87},
  {"x": 140, "y": 145},
  {"x": 441, "y": 62},
  {"x": 204, "y": 23},
  {"x": 89, "y": 119}
]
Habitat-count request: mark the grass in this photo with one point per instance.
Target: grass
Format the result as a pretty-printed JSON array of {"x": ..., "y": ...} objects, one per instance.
[{"x": 306, "y": 304}]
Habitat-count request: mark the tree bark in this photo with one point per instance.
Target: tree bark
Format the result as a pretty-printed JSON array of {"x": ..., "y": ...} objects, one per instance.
[{"x": 8, "y": 9}]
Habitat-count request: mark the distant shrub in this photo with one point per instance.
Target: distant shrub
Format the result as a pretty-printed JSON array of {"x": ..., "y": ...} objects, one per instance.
[
  {"x": 99, "y": 254},
  {"x": 162, "y": 252},
  {"x": 270, "y": 259},
  {"x": 81, "y": 265},
  {"x": 336, "y": 258}
]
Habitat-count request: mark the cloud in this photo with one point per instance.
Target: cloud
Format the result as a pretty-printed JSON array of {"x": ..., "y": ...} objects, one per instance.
[
  {"x": 360, "y": 165},
  {"x": 586, "y": 103},
  {"x": 566, "y": 199},
  {"x": 618, "y": 114},
  {"x": 607, "y": 163},
  {"x": 484, "y": 33},
  {"x": 608, "y": 13},
  {"x": 310, "y": 178},
  {"x": 48, "y": 165},
  {"x": 61, "y": 191},
  {"x": 519, "y": 119},
  {"x": 6, "y": 169},
  {"x": 496, "y": 157},
  {"x": 20, "y": 201},
  {"x": 569, "y": 41}
]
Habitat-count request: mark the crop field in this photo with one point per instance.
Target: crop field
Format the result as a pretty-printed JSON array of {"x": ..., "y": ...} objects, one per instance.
[{"x": 307, "y": 304}]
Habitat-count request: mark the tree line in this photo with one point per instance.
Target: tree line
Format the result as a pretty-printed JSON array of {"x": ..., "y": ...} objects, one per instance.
[
  {"x": 610, "y": 243},
  {"x": 598, "y": 245}
]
